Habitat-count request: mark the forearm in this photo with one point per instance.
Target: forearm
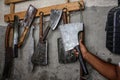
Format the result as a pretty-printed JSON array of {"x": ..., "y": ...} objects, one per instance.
[{"x": 104, "y": 68}]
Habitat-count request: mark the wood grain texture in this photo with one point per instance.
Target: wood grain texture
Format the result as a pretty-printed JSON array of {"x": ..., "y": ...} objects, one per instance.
[
  {"x": 72, "y": 6},
  {"x": 12, "y": 8},
  {"x": 13, "y": 1}
]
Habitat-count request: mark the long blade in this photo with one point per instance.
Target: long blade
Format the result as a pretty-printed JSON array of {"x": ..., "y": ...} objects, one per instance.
[{"x": 16, "y": 29}]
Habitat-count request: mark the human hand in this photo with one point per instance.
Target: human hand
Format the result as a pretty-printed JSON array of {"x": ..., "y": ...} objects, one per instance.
[{"x": 83, "y": 49}]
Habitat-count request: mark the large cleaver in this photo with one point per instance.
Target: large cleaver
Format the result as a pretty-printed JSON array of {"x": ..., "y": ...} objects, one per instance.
[
  {"x": 69, "y": 33},
  {"x": 40, "y": 56}
]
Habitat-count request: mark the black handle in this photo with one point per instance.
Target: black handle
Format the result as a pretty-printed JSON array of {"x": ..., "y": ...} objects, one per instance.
[
  {"x": 82, "y": 63},
  {"x": 15, "y": 51},
  {"x": 118, "y": 2}
]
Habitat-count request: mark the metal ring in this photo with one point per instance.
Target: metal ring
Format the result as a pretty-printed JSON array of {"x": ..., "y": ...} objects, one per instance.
[{"x": 41, "y": 13}]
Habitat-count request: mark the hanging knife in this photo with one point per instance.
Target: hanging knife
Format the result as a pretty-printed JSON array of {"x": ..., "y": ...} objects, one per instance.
[
  {"x": 8, "y": 65},
  {"x": 29, "y": 17},
  {"x": 16, "y": 34}
]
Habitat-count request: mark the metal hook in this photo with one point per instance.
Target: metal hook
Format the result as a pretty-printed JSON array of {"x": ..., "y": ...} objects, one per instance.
[
  {"x": 80, "y": 5},
  {"x": 64, "y": 9},
  {"x": 41, "y": 13}
]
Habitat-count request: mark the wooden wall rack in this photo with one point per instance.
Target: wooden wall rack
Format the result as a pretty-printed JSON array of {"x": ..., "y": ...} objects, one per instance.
[
  {"x": 71, "y": 6},
  {"x": 13, "y": 1}
]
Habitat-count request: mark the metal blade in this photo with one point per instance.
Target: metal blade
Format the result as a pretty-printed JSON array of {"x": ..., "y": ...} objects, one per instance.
[
  {"x": 30, "y": 14},
  {"x": 16, "y": 35},
  {"x": 55, "y": 18},
  {"x": 16, "y": 29},
  {"x": 69, "y": 33}
]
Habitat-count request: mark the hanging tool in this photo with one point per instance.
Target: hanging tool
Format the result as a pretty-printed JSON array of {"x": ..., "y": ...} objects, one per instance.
[
  {"x": 54, "y": 20},
  {"x": 65, "y": 56},
  {"x": 40, "y": 56},
  {"x": 16, "y": 35},
  {"x": 69, "y": 34},
  {"x": 29, "y": 17},
  {"x": 70, "y": 37},
  {"x": 8, "y": 52}
]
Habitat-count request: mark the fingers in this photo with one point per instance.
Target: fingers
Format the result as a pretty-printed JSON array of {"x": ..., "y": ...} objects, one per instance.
[{"x": 76, "y": 53}]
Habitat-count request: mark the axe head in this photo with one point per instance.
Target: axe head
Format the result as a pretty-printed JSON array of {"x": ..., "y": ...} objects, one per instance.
[{"x": 69, "y": 33}]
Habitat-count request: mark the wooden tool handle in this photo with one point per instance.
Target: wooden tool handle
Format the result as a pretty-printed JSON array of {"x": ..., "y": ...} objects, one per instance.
[
  {"x": 11, "y": 35},
  {"x": 41, "y": 25},
  {"x": 7, "y": 35},
  {"x": 22, "y": 38},
  {"x": 46, "y": 33},
  {"x": 8, "y": 52},
  {"x": 65, "y": 21}
]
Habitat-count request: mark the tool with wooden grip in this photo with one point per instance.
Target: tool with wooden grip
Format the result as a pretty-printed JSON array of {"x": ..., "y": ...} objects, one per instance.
[
  {"x": 64, "y": 16},
  {"x": 40, "y": 56},
  {"x": 54, "y": 20},
  {"x": 69, "y": 34},
  {"x": 65, "y": 57},
  {"x": 29, "y": 17},
  {"x": 7, "y": 71}
]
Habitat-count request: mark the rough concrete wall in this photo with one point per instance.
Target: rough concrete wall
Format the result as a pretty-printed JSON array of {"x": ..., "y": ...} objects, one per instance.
[
  {"x": 94, "y": 20},
  {"x": 2, "y": 51}
]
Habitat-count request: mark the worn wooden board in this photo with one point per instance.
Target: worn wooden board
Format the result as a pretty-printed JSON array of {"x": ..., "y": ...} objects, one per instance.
[
  {"x": 13, "y": 1},
  {"x": 72, "y": 6}
]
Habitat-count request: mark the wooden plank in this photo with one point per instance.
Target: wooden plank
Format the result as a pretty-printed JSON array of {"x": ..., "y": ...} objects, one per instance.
[
  {"x": 13, "y": 1},
  {"x": 72, "y": 6},
  {"x": 12, "y": 8}
]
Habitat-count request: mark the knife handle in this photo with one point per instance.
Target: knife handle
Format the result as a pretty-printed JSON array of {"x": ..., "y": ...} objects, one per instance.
[
  {"x": 22, "y": 38},
  {"x": 15, "y": 51},
  {"x": 7, "y": 35},
  {"x": 41, "y": 25},
  {"x": 46, "y": 33},
  {"x": 64, "y": 15},
  {"x": 81, "y": 60}
]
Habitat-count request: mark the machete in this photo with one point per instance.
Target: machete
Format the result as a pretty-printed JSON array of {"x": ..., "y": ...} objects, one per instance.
[
  {"x": 16, "y": 34},
  {"x": 8, "y": 53}
]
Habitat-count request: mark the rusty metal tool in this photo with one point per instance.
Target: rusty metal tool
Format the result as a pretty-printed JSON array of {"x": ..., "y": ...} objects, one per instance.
[
  {"x": 8, "y": 53},
  {"x": 54, "y": 20},
  {"x": 40, "y": 56},
  {"x": 65, "y": 56}
]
